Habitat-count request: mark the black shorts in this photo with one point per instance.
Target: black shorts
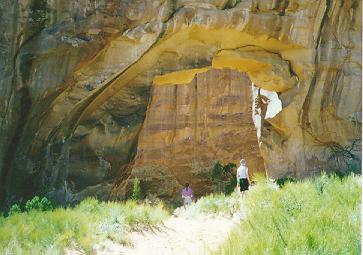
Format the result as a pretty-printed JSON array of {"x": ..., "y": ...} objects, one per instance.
[{"x": 243, "y": 184}]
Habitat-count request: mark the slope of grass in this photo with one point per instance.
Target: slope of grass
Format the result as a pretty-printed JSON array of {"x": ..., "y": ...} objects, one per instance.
[
  {"x": 320, "y": 216},
  {"x": 77, "y": 228}
]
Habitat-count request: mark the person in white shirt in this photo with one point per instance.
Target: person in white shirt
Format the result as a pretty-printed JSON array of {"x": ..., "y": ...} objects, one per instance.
[{"x": 243, "y": 180}]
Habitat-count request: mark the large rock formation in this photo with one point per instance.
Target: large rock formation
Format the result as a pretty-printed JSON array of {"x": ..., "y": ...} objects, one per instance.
[
  {"x": 75, "y": 82},
  {"x": 188, "y": 126}
]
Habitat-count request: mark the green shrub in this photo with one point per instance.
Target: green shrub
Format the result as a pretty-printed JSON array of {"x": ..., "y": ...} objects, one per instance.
[
  {"x": 15, "y": 208},
  {"x": 217, "y": 170},
  {"x": 223, "y": 178},
  {"x": 319, "y": 216},
  {"x": 78, "y": 228},
  {"x": 229, "y": 167},
  {"x": 282, "y": 181},
  {"x": 34, "y": 204},
  {"x": 230, "y": 186},
  {"x": 89, "y": 205},
  {"x": 136, "y": 190},
  {"x": 38, "y": 204}
]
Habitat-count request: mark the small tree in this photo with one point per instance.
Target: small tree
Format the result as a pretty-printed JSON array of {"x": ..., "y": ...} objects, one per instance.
[
  {"x": 223, "y": 177},
  {"x": 136, "y": 190}
]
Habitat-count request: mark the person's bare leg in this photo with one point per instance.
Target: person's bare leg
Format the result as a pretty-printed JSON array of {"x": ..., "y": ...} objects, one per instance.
[{"x": 239, "y": 191}]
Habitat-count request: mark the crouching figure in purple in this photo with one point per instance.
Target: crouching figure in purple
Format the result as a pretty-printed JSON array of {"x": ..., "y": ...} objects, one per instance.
[{"x": 187, "y": 195}]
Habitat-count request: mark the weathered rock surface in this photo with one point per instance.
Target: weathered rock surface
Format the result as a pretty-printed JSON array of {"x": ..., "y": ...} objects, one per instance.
[
  {"x": 75, "y": 82},
  {"x": 188, "y": 126}
]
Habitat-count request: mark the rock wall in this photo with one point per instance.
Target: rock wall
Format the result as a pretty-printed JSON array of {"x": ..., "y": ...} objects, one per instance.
[
  {"x": 189, "y": 126},
  {"x": 76, "y": 76}
]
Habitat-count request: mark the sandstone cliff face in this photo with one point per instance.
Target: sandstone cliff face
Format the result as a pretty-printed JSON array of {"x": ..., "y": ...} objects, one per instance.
[
  {"x": 76, "y": 78},
  {"x": 188, "y": 126}
]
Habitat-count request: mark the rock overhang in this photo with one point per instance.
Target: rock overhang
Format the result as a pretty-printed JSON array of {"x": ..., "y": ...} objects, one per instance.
[{"x": 295, "y": 36}]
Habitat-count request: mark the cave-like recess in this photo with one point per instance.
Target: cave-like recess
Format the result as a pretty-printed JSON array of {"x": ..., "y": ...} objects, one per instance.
[{"x": 79, "y": 77}]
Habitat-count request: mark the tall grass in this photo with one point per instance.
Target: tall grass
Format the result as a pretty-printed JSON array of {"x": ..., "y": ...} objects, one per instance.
[
  {"x": 79, "y": 228},
  {"x": 212, "y": 204},
  {"x": 320, "y": 216}
]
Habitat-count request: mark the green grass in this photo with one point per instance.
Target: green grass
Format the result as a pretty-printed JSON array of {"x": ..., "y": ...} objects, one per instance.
[
  {"x": 78, "y": 228},
  {"x": 320, "y": 216},
  {"x": 212, "y": 204}
]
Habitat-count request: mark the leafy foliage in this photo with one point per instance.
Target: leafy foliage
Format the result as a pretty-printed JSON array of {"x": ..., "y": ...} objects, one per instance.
[
  {"x": 38, "y": 204},
  {"x": 136, "y": 191},
  {"x": 15, "y": 208},
  {"x": 217, "y": 170},
  {"x": 282, "y": 181},
  {"x": 229, "y": 167},
  {"x": 222, "y": 175},
  {"x": 230, "y": 186}
]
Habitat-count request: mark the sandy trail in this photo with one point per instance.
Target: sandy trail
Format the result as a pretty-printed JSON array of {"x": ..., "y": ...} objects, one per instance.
[{"x": 179, "y": 235}]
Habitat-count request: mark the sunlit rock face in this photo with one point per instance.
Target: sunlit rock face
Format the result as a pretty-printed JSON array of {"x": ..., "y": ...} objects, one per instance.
[
  {"x": 188, "y": 126},
  {"x": 76, "y": 76}
]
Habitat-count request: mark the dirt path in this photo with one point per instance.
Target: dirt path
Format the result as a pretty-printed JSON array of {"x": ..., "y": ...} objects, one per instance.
[{"x": 179, "y": 235}]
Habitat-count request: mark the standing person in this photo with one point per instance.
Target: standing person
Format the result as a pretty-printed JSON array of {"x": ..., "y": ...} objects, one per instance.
[
  {"x": 243, "y": 180},
  {"x": 187, "y": 194}
]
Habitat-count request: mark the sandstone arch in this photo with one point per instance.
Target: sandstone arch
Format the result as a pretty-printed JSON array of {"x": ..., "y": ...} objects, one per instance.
[{"x": 100, "y": 107}]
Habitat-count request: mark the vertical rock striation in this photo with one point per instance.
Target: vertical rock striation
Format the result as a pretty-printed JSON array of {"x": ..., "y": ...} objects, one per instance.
[
  {"x": 189, "y": 126},
  {"x": 75, "y": 81}
]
